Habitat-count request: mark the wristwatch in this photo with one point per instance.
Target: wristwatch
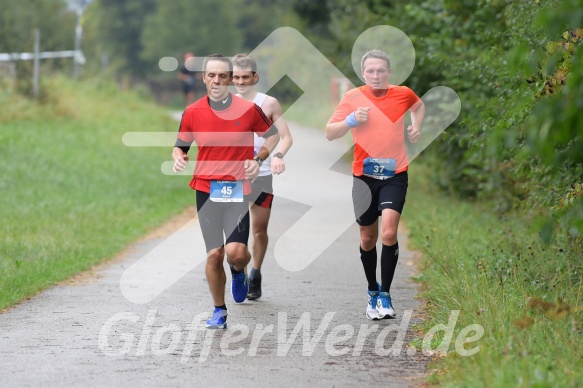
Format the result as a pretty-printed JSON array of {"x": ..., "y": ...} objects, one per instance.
[
  {"x": 278, "y": 155},
  {"x": 259, "y": 160}
]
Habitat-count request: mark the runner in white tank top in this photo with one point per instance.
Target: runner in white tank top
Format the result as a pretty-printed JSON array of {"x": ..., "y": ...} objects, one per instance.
[{"x": 245, "y": 78}]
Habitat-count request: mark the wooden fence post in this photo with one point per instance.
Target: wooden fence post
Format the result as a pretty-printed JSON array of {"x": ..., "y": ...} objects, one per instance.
[{"x": 36, "y": 65}]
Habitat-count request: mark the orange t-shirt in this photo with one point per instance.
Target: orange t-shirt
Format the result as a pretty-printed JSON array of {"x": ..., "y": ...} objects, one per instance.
[{"x": 383, "y": 135}]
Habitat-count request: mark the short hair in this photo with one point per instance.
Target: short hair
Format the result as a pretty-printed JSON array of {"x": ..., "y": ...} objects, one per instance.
[
  {"x": 375, "y": 54},
  {"x": 245, "y": 61},
  {"x": 217, "y": 57}
]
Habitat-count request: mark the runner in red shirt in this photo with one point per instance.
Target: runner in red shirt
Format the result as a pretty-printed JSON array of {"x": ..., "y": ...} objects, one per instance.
[
  {"x": 375, "y": 115},
  {"x": 222, "y": 126}
]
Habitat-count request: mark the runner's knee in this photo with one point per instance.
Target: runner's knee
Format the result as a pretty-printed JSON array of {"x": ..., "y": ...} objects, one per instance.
[
  {"x": 237, "y": 254},
  {"x": 389, "y": 236},
  {"x": 367, "y": 241},
  {"x": 260, "y": 234},
  {"x": 215, "y": 258}
]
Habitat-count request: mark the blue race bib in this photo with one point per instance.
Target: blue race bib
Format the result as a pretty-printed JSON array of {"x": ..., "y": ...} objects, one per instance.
[
  {"x": 379, "y": 167},
  {"x": 226, "y": 191}
]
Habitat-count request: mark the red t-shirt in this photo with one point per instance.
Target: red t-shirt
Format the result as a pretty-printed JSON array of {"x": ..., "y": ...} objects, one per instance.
[
  {"x": 224, "y": 139},
  {"x": 383, "y": 135}
]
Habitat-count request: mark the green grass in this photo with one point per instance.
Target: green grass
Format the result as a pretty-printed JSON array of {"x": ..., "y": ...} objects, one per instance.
[
  {"x": 72, "y": 195},
  {"x": 489, "y": 267}
]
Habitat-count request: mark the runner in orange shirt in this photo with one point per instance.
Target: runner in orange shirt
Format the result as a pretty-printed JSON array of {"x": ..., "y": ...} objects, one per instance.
[{"x": 375, "y": 114}]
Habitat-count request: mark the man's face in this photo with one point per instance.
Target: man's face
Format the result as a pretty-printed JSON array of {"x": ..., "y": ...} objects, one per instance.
[
  {"x": 244, "y": 79},
  {"x": 217, "y": 79},
  {"x": 376, "y": 73}
]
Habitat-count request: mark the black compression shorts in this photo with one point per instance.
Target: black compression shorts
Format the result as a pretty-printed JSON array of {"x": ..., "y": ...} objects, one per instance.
[{"x": 370, "y": 196}]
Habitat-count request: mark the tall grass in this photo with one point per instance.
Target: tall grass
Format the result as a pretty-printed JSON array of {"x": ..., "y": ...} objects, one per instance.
[
  {"x": 72, "y": 195},
  {"x": 495, "y": 270}
]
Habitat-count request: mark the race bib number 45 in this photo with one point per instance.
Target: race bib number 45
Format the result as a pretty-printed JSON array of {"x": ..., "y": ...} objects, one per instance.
[
  {"x": 379, "y": 167},
  {"x": 226, "y": 191}
]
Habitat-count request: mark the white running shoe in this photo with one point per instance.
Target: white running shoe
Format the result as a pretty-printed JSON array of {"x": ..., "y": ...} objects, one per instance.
[{"x": 384, "y": 306}]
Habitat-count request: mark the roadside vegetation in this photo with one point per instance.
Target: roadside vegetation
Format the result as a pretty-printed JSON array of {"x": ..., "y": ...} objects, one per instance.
[
  {"x": 72, "y": 194},
  {"x": 526, "y": 294}
]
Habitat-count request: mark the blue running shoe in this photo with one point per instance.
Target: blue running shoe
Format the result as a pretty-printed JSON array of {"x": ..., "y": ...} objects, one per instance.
[
  {"x": 239, "y": 286},
  {"x": 371, "y": 307},
  {"x": 384, "y": 306},
  {"x": 218, "y": 320}
]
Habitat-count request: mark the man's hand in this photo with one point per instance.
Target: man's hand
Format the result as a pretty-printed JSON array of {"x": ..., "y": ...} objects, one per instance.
[
  {"x": 180, "y": 160},
  {"x": 251, "y": 169},
  {"x": 414, "y": 133},
  {"x": 277, "y": 165},
  {"x": 361, "y": 114}
]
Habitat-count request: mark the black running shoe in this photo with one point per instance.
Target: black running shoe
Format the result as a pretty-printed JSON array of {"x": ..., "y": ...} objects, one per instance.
[{"x": 254, "y": 288}]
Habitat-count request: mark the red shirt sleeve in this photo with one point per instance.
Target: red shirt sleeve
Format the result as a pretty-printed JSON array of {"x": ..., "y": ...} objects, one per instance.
[
  {"x": 185, "y": 131},
  {"x": 262, "y": 123}
]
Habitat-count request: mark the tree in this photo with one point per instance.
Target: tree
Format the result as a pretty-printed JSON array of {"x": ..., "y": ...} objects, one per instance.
[
  {"x": 115, "y": 27},
  {"x": 258, "y": 18},
  {"x": 204, "y": 27}
]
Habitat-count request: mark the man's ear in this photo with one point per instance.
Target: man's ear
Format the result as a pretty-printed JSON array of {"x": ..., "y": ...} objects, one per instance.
[{"x": 255, "y": 78}]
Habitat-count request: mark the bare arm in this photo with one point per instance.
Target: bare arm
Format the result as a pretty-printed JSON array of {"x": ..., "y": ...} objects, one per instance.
[
  {"x": 180, "y": 159},
  {"x": 336, "y": 130},
  {"x": 251, "y": 165},
  {"x": 417, "y": 117},
  {"x": 268, "y": 146},
  {"x": 277, "y": 163}
]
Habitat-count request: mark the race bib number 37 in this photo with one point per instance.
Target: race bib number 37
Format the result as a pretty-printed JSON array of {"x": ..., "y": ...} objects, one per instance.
[
  {"x": 379, "y": 167},
  {"x": 226, "y": 191}
]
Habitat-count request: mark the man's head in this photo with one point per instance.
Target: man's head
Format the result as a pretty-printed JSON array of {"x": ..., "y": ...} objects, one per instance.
[
  {"x": 376, "y": 69},
  {"x": 217, "y": 76},
  {"x": 189, "y": 61},
  {"x": 244, "y": 73}
]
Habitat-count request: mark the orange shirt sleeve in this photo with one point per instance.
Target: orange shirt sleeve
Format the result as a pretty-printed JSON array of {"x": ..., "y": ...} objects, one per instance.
[
  {"x": 414, "y": 100},
  {"x": 343, "y": 109}
]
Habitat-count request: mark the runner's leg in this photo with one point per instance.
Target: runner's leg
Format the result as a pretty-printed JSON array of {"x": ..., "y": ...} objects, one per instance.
[
  {"x": 260, "y": 220},
  {"x": 215, "y": 275}
]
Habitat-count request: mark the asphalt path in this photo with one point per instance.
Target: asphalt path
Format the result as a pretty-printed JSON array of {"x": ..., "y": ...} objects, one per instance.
[{"x": 116, "y": 326}]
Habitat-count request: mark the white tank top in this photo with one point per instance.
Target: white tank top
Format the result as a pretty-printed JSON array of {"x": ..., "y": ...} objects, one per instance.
[{"x": 265, "y": 168}]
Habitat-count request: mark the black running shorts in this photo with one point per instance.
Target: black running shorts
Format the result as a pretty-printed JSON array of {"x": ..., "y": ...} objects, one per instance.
[
  {"x": 262, "y": 191},
  {"x": 370, "y": 196}
]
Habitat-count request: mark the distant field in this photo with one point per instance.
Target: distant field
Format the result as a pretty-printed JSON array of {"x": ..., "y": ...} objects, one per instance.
[{"x": 72, "y": 195}]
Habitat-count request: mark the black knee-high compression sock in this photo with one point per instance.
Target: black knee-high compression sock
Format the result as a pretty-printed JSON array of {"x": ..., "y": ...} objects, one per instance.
[
  {"x": 369, "y": 262},
  {"x": 389, "y": 258}
]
